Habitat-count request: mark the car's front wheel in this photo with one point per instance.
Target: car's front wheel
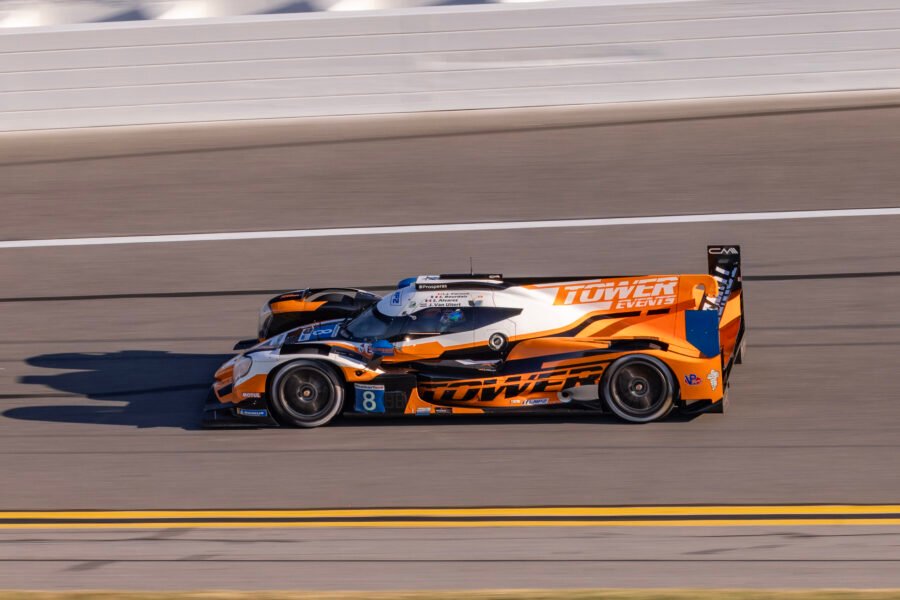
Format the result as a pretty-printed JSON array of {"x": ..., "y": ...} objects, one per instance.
[
  {"x": 639, "y": 388},
  {"x": 306, "y": 394}
]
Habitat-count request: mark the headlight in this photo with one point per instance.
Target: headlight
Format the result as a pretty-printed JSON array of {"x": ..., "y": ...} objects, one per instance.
[
  {"x": 241, "y": 367},
  {"x": 265, "y": 313}
]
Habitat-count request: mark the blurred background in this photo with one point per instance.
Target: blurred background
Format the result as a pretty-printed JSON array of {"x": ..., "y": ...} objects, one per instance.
[
  {"x": 30, "y": 13},
  {"x": 203, "y": 118}
]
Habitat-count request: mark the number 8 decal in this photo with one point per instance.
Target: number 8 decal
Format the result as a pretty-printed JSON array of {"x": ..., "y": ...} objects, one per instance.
[
  {"x": 369, "y": 398},
  {"x": 369, "y": 403}
]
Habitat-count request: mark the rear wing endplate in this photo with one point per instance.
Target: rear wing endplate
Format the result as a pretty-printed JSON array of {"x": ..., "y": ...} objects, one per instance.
[{"x": 724, "y": 264}]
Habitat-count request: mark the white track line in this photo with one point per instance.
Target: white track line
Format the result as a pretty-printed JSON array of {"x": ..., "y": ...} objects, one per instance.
[{"x": 448, "y": 227}]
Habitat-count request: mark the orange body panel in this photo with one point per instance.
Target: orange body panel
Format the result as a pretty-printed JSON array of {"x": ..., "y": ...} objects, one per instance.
[
  {"x": 290, "y": 306},
  {"x": 542, "y": 386}
]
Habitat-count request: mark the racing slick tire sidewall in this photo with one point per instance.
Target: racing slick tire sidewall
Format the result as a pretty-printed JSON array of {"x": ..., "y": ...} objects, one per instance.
[
  {"x": 662, "y": 379},
  {"x": 281, "y": 408}
]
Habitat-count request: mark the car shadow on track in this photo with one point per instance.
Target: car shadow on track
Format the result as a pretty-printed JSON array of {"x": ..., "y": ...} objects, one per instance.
[{"x": 143, "y": 388}]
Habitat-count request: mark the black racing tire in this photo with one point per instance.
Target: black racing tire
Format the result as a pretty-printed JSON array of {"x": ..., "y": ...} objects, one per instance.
[
  {"x": 307, "y": 394},
  {"x": 639, "y": 388}
]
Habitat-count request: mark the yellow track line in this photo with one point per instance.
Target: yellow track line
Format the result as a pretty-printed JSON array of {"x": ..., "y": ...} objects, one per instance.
[
  {"x": 571, "y": 516},
  {"x": 457, "y": 524},
  {"x": 563, "y": 511}
]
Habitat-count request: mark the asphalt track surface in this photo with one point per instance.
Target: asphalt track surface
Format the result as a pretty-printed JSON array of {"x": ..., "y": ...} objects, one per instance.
[{"x": 107, "y": 351}]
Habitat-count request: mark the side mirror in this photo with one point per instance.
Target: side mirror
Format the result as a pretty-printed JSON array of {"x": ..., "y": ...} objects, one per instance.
[
  {"x": 382, "y": 348},
  {"x": 245, "y": 344}
]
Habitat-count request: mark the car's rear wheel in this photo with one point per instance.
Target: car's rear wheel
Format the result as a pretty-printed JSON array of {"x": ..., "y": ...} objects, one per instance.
[
  {"x": 639, "y": 388},
  {"x": 306, "y": 394}
]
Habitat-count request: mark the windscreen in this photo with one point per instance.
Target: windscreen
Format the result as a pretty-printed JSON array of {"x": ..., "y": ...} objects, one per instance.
[{"x": 373, "y": 325}]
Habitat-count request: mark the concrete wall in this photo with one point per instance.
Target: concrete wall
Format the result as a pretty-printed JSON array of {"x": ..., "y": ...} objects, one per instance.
[
  {"x": 447, "y": 58},
  {"x": 42, "y": 13}
]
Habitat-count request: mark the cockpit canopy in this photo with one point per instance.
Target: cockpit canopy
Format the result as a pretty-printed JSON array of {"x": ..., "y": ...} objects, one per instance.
[{"x": 428, "y": 321}]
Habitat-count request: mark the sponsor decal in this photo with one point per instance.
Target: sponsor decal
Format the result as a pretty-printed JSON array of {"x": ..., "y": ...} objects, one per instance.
[
  {"x": 253, "y": 412},
  {"x": 318, "y": 333},
  {"x": 692, "y": 379},
  {"x": 512, "y": 386},
  {"x": 423, "y": 411},
  {"x": 368, "y": 349},
  {"x": 713, "y": 378},
  {"x": 727, "y": 250},
  {"x": 515, "y": 401},
  {"x": 443, "y": 410},
  {"x": 431, "y": 286},
  {"x": 725, "y": 279},
  {"x": 369, "y": 398},
  {"x": 620, "y": 294},
  {"x": 537, "y": 401}
]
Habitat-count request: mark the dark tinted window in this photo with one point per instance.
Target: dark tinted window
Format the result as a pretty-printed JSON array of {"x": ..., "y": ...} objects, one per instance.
[
  {"x": 488, "y": 315},
  {"x": 333, "y": 297},
  {"x": 439, "y": 321},
  {"x": 372, "y": 325}
]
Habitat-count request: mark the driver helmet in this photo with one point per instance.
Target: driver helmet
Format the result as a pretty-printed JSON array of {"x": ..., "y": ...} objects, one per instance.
[{"x": 455, "y": 316}]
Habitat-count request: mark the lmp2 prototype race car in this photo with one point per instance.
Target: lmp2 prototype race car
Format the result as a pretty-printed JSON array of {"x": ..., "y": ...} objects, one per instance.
[{"x": 637, "y": 346}]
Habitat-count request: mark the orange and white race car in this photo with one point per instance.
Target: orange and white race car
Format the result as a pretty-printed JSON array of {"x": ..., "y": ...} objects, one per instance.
[{"x": 637, "y": 346}]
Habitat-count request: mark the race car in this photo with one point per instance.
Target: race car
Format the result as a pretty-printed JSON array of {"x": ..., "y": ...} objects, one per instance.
[{"x": 637, "y": 346}]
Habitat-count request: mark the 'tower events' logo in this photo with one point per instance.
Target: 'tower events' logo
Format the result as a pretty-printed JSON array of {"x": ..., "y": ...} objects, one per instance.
[{"x": 621, "y": 293}]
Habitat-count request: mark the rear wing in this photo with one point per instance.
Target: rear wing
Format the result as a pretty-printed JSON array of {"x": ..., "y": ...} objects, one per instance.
[{"x": 724, "y": 264}]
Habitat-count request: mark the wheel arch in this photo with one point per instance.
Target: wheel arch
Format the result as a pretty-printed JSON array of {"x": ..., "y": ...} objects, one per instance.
[
  {"x": 306, "y": 359},
  {"x": 314, "y": 357},
  {"x": 653, "y": 359}
]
